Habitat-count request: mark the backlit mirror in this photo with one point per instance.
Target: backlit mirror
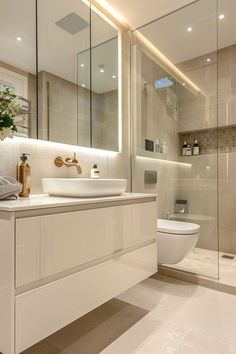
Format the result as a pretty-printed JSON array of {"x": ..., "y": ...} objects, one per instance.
[
  {"x": 59, "y": 73},
  {"x": 18, "y": 99},
  {"x": 78, "y": 71}
]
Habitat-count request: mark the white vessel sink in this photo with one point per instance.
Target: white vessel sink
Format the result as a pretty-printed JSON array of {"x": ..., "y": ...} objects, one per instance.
[{"x": 84, "y": 187}]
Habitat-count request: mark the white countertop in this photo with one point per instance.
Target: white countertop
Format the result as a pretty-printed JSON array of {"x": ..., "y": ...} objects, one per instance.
[{"x": 45, "y": 201}]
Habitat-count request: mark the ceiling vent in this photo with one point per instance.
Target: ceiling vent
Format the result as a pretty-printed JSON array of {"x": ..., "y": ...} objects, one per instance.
[{"x": 72, "y": 23}]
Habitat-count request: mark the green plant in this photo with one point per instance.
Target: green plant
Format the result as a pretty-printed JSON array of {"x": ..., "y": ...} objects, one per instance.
[{"x": 9, "y": 109}]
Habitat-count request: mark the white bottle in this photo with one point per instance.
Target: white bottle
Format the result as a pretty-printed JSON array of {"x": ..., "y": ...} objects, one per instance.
[
  {"x": 157, "y": 147},
  {"x": 164, "y": 148},
  {"x": 94, "y": 172},
  {"x": 184, "y": 148},
  {"x": 188, "y": 150}
]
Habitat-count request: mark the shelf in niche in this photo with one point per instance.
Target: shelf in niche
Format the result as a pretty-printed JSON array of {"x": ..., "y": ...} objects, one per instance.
[
  {"x": 183, "y": 158},
  {"x": 211, "y": 141}
]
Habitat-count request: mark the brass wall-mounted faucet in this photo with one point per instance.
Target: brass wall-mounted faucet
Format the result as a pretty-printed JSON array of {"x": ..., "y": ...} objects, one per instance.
[{"x": 68, "y": 162}]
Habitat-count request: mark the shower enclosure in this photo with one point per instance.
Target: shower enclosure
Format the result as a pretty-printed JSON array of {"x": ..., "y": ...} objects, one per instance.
[{"x": 180, "y": 96}]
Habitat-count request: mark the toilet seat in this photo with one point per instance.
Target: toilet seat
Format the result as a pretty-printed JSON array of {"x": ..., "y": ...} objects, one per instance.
[{"x": 177, "y": 227}]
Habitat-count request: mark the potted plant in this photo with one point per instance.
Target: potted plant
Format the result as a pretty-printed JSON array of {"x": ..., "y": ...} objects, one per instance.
[{"x": 9, "y": 109}]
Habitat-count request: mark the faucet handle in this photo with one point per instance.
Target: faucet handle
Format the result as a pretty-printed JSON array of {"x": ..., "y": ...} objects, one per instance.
[{"x": 58, "y": 161}]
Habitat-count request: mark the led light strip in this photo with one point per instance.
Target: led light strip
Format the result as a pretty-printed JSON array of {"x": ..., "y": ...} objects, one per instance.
[
  {"x": 170, "y": 162},
  {"x": 172, "y": 67},
  {"x": 114, "y": 13},
  {"x": 111, "y": 10}
]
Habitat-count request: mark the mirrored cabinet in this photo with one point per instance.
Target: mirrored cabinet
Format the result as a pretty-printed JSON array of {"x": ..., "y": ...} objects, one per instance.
[{"x": 61, "y": 59}]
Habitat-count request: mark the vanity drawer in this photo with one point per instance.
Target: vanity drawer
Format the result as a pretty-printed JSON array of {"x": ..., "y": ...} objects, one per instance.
[
  {"x": 51, "y": 244},
  {"x": 42, "y": 311}
]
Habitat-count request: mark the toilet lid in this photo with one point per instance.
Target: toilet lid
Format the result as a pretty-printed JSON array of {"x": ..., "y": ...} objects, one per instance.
[{"x": 177, "y": 227}]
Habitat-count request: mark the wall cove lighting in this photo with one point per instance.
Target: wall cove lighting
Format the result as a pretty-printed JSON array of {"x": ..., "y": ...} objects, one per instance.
[
  {"x": 111, "y": 10},
  {"x": 166, "y": 61}
]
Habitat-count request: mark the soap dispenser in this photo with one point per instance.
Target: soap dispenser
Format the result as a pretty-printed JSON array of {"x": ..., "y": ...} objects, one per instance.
[
  {"x": 23, "y": 175},
  {"x": 95, "y": 172}
]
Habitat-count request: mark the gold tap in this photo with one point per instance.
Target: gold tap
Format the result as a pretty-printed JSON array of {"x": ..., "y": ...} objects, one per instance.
[{"x": 68, "y": 162}]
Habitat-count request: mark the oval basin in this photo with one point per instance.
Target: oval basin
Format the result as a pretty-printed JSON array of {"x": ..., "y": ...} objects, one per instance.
[{"x": 84, "y": 187}]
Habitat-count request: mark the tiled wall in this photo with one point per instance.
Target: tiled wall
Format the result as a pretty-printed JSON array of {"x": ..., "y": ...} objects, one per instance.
[
  {"x": 154, "y": 120},
  {"x": 198, "y": 185},
  {"x": 42, "y": 154},
  {"x": 210, "y": 185},
  {"x": 208, "y": 181}
]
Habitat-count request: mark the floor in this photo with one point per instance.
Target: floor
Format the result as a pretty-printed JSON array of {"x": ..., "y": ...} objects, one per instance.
[
  {"x": 161, "y": 316},
  {"x": 205, "y": 262}
]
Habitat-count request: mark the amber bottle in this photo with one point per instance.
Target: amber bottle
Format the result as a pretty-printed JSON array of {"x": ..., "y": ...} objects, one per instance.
[{"x": 23, "y": 175}]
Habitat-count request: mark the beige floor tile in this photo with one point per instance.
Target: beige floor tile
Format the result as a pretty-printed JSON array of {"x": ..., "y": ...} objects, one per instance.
[
  {"x": 164, "y": 341},
  {"x": 44, "y": 347},
  {"x": 194, "y": 343},
  {"x": 131, "y": 340},
  {"x": 161, "y": 316},
  {"x": 210, "y": 313},
  {"x": 94, "y": 331},
  {"x": 161, "y": 301}
]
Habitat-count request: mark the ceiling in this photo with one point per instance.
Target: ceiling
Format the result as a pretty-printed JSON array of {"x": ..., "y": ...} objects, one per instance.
[
  {"x": 169, "y": 34},
  {"x": 139, "y": 12},
  {"x": 58, "y": 49}
]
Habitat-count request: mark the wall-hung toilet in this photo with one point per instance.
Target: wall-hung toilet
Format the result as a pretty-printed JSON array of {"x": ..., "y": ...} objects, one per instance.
[{"x": 175, "y": 239}]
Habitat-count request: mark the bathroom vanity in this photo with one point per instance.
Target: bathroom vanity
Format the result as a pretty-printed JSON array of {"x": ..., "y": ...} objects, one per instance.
[{"x": 62, "y": 257}]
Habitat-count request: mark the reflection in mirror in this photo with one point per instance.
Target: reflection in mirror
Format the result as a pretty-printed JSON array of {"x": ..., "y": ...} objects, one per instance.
[
  {"x": 104, "y": 84},
  {"x": 63, "y": 32},
  {"x": 18, "y": 65},
  {"x": 78, "y": 92}
]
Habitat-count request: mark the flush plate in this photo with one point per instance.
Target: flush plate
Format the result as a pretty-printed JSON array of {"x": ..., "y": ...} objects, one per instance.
[{"x": 150, "y": 177}]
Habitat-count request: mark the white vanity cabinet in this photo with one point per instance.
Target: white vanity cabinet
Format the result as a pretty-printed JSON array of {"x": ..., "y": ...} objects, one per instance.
[{"x": 59, "y": 261}]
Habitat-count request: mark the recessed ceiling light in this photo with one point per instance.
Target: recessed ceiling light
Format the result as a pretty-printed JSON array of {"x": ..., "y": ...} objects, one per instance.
[
  {"x": 183, "y": 83},
  {"x": 208, "y": 60},
  {"x": 102, "y": 71},
  {"x": 114, "y": 76},
  {"x": 83, "y": 85},
  {"x": 221, "y": 16},
  {"x": 19, "y": 39},
  {"x": 82, "y": 65},
  {"x": 189, "y": 29}
]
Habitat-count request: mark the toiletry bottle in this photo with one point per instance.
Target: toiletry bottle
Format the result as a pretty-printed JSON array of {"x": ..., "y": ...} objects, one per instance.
[
  {"x": 23, "y": 175},
  {"x": 196, "y": 149},
  {"x": 188, "y": 150},
  {"x": 95, "y": 172},
  {"x": 184, "y": 149},
  {"x": 164, "y": 148},
  {"x": 157, "y": 146}
]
